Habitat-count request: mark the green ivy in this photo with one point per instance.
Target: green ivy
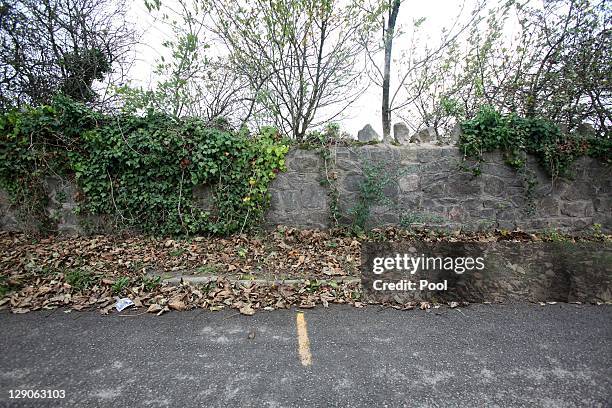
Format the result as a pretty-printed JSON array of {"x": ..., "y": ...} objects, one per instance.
[
  {"x": 516, "y": 137},
  {"x": 377, "y": 177},
  {"x": 143, "y": 169}
]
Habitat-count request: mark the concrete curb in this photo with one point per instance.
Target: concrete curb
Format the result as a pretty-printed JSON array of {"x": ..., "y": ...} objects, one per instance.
[{"x": 203, "y": 280}]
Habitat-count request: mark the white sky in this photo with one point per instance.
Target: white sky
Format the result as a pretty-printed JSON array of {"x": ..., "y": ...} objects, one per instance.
[{"x": 438, "y": 14}]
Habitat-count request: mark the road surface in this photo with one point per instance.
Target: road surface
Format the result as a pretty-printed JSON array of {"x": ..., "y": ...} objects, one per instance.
[{"x": 484, "y": 355}]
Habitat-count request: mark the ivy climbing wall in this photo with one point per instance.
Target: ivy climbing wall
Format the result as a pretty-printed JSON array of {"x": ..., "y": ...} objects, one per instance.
[{"x": 415, "y": 185}]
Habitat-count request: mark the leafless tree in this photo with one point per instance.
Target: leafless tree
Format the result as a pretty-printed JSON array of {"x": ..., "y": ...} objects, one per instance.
[
  {"x": 193, "y": 79},
  {"x": 300, "y": 57},
  {"x": 51, "y": 46},
  {"x": 396, "y": 97},
  {"x": 555, "y": 63}
]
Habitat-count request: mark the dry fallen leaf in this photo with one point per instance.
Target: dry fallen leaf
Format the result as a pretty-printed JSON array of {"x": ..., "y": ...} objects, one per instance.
[
  {"x": 177, "y": 305},
  {"x": 154, "y": 308},
  {"x": 247, "y": 310}
]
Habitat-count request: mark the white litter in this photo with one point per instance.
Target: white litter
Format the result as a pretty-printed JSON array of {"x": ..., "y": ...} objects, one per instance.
[{"x": 123, "y": 304}]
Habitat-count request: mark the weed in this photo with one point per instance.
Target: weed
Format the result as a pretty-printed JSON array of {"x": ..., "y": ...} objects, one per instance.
[
  {"x": 79, "y": 279},
  {"x": 177, "y": 252},
  {"x": 120, "y": 284},
  {"x": 553, "y": 235},
  {"x": 151, "y": 282},
  {"x": 371, "y": 192},
  {"x": 597, "y": 233},
  {"x": 407, "y": 220},
  {"x": 208, "y": 269},
  {"x": 331, "y": 244},
  {"x": 242, "y": 252},
  {"x": 313, "y": 285}
]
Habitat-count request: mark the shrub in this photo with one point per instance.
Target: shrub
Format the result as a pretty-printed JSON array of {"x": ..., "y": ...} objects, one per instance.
[
  {"x": 516, "y": 136},
  {"x": 141, "y": 169}
]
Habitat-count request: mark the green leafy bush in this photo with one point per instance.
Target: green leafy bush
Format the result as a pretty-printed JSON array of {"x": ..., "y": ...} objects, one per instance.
[
  {"x": 142, "y": 169},
  {"x": 516, "y": 136}
]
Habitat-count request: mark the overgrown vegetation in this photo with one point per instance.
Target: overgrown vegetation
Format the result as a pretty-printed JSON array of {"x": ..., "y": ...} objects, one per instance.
[
  {"x": 516, "y": 136},
  {"x": 377, "y": 176},
  {"x": 409, "y": 220},
  {"x": 80, "y": 279},
  {"x": 75, "y": 47},
  {"x": 120, "y": 285},
  {"x": 140, "y": 169}
]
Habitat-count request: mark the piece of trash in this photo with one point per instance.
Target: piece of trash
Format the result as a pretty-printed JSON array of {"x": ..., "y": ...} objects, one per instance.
[{"x": 123, "y": 304}]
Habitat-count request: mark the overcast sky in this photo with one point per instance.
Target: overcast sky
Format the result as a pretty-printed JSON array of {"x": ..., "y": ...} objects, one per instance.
[{"x": 438, "y": 14}]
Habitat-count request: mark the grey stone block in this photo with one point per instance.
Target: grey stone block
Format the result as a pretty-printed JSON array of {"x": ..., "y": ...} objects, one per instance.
[
  {"x": 352, "y": 182},
  {"x": 384, "y": 154},
  {"x": 548, "y": 207},
  {"x": 409, "y": 155},
  {"x": 401, "y": 133},
  {"x": 409, "y": 183},
  {"x": 455, "y": 134},
  {"x": 602, "y": 204},
  {"x": 368, "y": 134},
  {"x": 427, "y": 135},
  {"x": 410, "y": 201},
  {"x": 463, "y": 185},
  {"x": 499, "y": 170},
  {"x": 577, "y": 208},
  {"x": 493, "y": 185},
  {"x": 472, "y": 204},
  {"x": 203, "y": 197}
]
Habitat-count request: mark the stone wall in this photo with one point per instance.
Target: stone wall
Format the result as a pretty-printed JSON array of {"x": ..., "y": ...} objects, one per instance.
[
  {"x": 430, "y": 189},
  {"x": 512, "y": 271}
]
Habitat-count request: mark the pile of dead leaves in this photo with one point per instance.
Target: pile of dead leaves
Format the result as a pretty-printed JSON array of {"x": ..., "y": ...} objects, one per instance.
[
  {"x": 283, "y": 254},
  {"x": 92, "y": 272},
  {"x": 216, "y": 295}
]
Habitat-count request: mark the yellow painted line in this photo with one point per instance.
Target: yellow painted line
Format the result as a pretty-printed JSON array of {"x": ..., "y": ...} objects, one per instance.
[{"x": 303, "y": 342}]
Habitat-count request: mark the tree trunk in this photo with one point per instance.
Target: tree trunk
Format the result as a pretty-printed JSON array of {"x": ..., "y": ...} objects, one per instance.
[{"x": 388, "y": 33}]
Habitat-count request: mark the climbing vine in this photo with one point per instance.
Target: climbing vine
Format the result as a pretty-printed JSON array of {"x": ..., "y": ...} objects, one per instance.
[
  {"x": 516, "y": 137},
  {"x": 142, "y": 169},
  {"x": 324, "y": 142}
]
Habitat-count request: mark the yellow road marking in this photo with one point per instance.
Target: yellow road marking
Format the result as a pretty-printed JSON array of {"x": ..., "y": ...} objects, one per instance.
[{"x": 303, "y": 342}]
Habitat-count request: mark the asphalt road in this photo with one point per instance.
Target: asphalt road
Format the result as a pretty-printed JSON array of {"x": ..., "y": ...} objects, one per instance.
[{"x": 509, "y": 355}]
